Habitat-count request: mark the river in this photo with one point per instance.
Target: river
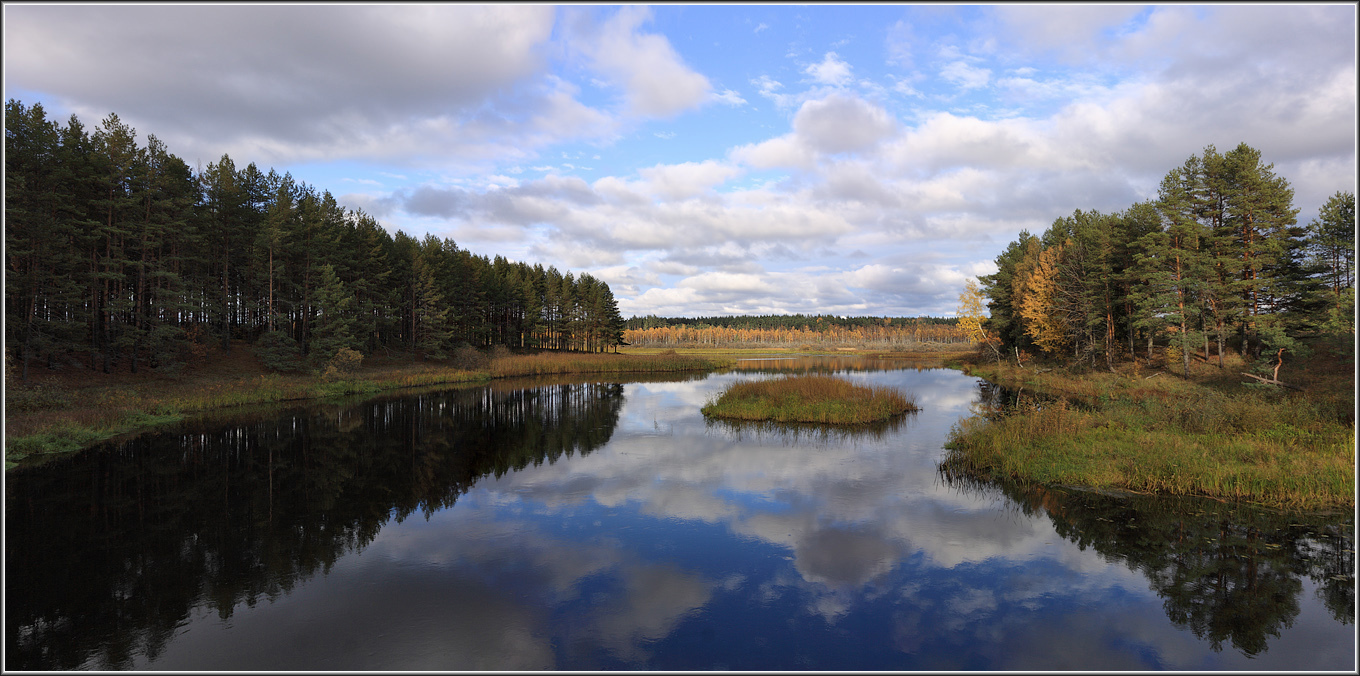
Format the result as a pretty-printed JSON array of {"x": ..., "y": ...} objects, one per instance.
[{"x": 588, "y": 525}]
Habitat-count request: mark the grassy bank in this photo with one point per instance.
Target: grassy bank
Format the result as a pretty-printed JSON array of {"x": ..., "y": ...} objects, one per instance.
[
  {"x": 812, "y": 399},
  {"x": 1149, "y": 431},
  {"x": 72, "y": 409}
]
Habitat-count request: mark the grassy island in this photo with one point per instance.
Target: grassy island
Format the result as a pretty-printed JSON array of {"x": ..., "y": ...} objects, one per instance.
[{"x": 809, "y": 399}]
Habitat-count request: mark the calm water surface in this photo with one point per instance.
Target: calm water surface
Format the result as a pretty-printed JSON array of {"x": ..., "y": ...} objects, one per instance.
[{"x": 594, "y": 525}]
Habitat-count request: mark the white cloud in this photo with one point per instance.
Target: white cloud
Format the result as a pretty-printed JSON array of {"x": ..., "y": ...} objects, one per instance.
[
  {"x": 656, "y": 79},
  {"x": 730, "y": 97},
  {"x": 363, "y": 181},
  {"x": 965, "y": 76},
  {"x": 831, "y": 71},
  {"x": 769, "y": 88},
  {"x": 899, "y": 42},
  {"x": 782, "y": 152},
  {"x": 681, "y": 181},
  {"x": 1073, "y": 30},
  {"x": 289, "y": 82},
  {"x": 840, "y": 124}
]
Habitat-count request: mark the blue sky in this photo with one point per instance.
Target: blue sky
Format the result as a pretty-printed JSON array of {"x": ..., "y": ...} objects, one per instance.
[{"x": 712, "y": 159}]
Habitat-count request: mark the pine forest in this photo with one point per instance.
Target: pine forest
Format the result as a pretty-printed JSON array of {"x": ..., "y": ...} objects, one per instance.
[
  {"x": 123, "y": 257},
  {"x": 1217, "y": 264}
]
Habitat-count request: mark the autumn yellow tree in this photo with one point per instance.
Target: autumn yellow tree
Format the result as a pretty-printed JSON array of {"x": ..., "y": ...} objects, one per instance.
[
  {"x": 1039, "y": 307},
  {"x": 972, "y": 318}
]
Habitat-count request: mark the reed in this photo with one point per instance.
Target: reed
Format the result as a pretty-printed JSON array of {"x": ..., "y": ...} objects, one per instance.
[
  {"x": 809, "y": 399},
  {"x": 1179, "y": 437},
  {"x": 549, "y": 363}
]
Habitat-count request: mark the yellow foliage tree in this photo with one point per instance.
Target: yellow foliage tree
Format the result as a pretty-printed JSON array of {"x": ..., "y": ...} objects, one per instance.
[
  {"x": 972, "y": 315},
  {"x": 1038, "y": 303}
]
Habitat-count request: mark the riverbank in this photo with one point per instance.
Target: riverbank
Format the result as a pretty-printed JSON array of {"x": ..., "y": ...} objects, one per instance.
[
  {"x": 1151, "y": 431},
  {"x": 74, "y": 408}
]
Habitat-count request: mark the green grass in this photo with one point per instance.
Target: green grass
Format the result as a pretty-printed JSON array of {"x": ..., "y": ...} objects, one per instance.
[
  {"x": 1168, "y": 436},
  {"x": 808, "y": 399}
]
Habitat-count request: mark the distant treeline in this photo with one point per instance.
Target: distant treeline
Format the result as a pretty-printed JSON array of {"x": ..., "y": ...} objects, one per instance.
[
  {"x": 793, "y": 330},
  {"x": 124, "y": 256},
  {"x": 1217, "y": 262},
  {"x": 797, "y": 321}
]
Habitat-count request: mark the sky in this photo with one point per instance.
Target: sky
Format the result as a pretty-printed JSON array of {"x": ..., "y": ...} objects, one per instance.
[{"x": 717, "y": 159}]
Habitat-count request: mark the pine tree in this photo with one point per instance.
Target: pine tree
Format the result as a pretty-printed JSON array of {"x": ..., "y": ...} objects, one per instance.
[
  {"x": 36, "y": 238},
  {"x": 334, "y": 326},
  {"x": 431, "y": 315},
  {"x": 1260, "y": 213},
  {"x": 1331, "y": 248},
  {"x": 1171, "y": 263}
]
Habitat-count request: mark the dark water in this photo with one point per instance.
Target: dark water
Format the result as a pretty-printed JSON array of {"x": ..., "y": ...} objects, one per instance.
[{"x": 587, "y": 525}]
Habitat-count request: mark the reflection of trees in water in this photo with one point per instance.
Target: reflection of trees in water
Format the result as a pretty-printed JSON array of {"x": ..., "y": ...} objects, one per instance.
[
  {"x": 994, "y": 402},
  {"x": 109, "y": 550},
  {"x": 1228, "y": 573}
]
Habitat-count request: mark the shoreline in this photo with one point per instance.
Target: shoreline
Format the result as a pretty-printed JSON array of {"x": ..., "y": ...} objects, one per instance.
[
  {"x": 1130, "y": 431},
  {"x": 61, "y": 419}
]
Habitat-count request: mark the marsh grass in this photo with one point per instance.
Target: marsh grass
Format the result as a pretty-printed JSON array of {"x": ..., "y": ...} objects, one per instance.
[
  {"x": 809, "y": 399},
  {"x": 1169, "y": 436},
  {"x": 549, "y": 363},
  {"x": 57, "y": 417}
]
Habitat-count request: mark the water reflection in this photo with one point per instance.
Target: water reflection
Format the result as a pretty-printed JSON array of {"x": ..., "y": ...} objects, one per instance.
[
  {"x": 810, "y": 433},
  {"x": 1231, "y": 574},
  {"x": 107, "y": 551},
  {"x": 591, "y": 526}
]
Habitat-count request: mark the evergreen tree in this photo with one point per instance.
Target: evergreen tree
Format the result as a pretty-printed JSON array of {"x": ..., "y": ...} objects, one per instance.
[
  {"x": 1173, "y": 267},
  {"x": 431, "y": 315},
  {"x": 1331, "y": 248},
  {"x": 334, "y": 327},
  {"x": 36, "y": 238},
  {"x": 999, "y": 289},
  {"x": 1260, "y": 213}
]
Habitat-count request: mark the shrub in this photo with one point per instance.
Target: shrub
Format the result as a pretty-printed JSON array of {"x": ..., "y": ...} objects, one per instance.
[
  {"x": 468, "y": 358},
  {"x": 343, "y": 365},
  {"x": 279, "y": 351}
]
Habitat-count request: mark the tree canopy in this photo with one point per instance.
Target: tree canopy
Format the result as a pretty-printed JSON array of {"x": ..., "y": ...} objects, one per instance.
[
  {"x": 119, "y": 255},
  {"x": 1218, "y": 257}
]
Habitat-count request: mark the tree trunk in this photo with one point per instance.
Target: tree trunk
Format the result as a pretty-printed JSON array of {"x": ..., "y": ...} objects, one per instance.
[{"x": 226, "y": 295}]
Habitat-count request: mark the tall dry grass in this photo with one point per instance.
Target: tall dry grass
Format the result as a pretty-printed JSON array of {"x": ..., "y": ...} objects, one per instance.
[
  {"x": 809, "y": 399},
  {"x": 1169, "y": 435},
  {"x": 549, "y": 363}
]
